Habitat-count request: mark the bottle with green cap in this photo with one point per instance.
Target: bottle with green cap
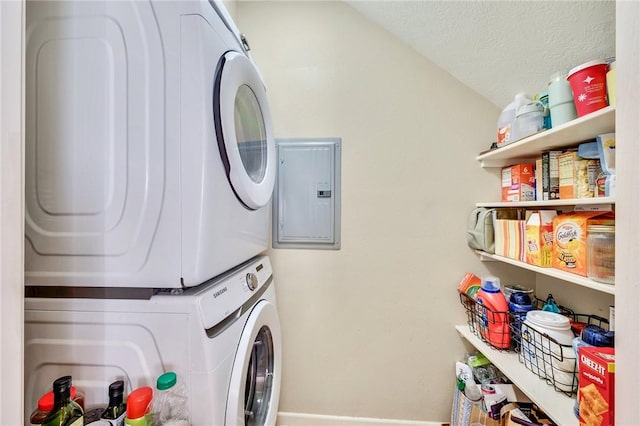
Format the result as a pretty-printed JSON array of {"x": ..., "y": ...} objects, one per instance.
[{"x": 170, "y": 402}]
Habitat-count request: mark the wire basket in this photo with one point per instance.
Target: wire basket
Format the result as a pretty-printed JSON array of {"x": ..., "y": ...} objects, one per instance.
[
  {"x": 492, "y": 327},
  {"x": 545, "y": 356}
]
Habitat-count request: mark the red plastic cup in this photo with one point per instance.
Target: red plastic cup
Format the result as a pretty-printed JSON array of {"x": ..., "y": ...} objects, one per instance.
[{"x": 589, "y": 86}]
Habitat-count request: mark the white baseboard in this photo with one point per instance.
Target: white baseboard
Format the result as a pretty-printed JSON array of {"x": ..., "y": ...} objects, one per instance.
[{"x": 302, "y": 419}]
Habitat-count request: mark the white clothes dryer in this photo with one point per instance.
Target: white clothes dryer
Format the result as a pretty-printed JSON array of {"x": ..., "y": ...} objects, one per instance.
[
  {"x": 222, "y": 339},
  {"x": 150, "y": 158}
]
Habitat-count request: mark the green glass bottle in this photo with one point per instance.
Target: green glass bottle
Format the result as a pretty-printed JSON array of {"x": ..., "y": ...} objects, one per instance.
[
  {"x": 117, "y": 409},
  {"x": 66, "y": 412}
]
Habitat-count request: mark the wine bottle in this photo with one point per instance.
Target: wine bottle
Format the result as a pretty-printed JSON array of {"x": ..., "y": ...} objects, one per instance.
[
  {"x": 117, "y": 409},
  {"x": 66, "y": 412}
]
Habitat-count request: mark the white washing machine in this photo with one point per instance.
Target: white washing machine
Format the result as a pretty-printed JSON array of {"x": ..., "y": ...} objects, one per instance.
[
  {"x": 150, "y": 158},
  {"x": 222, "y": 339}
]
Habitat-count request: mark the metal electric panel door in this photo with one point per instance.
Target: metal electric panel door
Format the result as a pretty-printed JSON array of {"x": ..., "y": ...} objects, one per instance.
[{"x": 306, "y": 204}]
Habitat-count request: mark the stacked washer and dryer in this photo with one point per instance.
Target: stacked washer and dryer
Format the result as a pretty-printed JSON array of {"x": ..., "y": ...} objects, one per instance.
[{"x": 150, "y": 164}]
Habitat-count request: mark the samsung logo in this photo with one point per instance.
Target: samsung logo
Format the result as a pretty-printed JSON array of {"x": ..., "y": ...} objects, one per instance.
[{"x": 220, "y": 292}]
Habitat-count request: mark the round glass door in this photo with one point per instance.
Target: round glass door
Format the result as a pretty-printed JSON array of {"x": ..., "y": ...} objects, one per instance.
[
  {"x": 251, "y": 134},
  {"x": 254, "y": 388},
  {"x": 259, "y": 380},
  {"x": 243, "y": 130}
]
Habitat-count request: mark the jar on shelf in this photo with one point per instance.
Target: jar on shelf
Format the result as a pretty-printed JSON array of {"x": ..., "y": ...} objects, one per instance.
[{"x": 601, "y": 253}]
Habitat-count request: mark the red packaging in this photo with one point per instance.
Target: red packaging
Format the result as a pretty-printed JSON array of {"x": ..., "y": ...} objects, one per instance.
[
  {"x": 596, "y": 386},
  {"x": 519, "y": 183}
]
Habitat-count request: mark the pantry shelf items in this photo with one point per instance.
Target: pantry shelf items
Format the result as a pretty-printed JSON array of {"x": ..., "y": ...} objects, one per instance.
[
  {"x": 551, "y": 272},
  {"x": 599, "y": 201},
  {"x": 556, "y": 405},
  {"x": 578, "y": 130}
]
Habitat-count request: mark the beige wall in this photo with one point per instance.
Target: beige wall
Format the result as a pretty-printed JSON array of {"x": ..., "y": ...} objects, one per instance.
[{"x": 368, "y": 330}]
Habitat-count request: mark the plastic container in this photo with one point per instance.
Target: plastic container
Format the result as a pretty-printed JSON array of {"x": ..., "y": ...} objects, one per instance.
[
  {"x": 543, "y": 98},
  {"x": 506, "y": 120},
  {"x": 547, "y": 347},
  {"x": 494, "y": 314},
  {"x": 171, "y": 403},
  {"x": 519, "y": 304},
  {"x": 611, "y": 83},
  {"x": 561, "y": 106},
  {"x": 508, "y": 290},
  {"x": 601, "y": 253},
  {"x": 529, "y": 120},
  {"x": 589, "y": 86},
  {"x": 139, "y": 407}
]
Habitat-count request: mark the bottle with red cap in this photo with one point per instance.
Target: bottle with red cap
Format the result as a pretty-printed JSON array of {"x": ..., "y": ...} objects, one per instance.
[{"x": 139, "y": 407}]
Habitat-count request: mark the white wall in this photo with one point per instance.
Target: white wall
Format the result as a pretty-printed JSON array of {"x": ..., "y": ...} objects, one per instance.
[
  {"x": 368, "y": 330},
  {"x": 627, "y": 211},
  {"x": 11, "y": 219}
]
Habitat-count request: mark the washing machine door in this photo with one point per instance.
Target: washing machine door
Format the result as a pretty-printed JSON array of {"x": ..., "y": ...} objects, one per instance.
[
  {"x": 243, "y": 130},
  {"x": 254, "y": 389}
]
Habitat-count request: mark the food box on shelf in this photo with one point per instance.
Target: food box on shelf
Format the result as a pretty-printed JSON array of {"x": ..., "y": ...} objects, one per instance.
[
  {"x": 539, "y": 238},
  {"x": 519, "y": 183},
  {"x": 570, "y": 238},
  {"x": 577, "y": 175},
  {"x": 596, "y": 386}
]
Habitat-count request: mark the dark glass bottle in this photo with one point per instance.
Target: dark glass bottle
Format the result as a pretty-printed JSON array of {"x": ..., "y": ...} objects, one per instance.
[
  {"x": 66, "y": 412},
  {"x": 117, "y": 408}
]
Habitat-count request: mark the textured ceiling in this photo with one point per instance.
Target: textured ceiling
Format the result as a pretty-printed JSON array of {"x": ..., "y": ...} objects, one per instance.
[{"x": 500, "y": 48}]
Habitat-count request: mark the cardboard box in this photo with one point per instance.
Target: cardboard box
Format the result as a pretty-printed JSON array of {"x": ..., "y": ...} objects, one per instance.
[
  {"x": 570, "y": 238},
  {"x": 509, "y": 238},
  {"x": 596, "y": 387},
  {"x": 539, "y": 238},
  {"x": 577, "y": 176},
  {"x": 518, "y": 183},
  {"x": 538, "y": 176},
  {"x": 550, "y": 175}
]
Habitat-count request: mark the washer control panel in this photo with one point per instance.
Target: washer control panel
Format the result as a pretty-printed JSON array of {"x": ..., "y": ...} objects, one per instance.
[{"x": 252, "y": 281}]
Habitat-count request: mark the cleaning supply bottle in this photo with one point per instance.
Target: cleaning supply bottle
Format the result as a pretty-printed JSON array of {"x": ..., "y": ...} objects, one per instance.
[
  {"x": 493, "y": 314},
  {"x": 507, "y": 118}
]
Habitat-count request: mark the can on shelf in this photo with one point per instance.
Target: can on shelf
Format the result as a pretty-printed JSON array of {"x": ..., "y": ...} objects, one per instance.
[{"x": 601, "y": 253}]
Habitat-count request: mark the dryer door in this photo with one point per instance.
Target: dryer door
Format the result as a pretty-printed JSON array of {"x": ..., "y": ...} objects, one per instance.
[
  {"x": 243, "y": 129},
  {"x": 254, "y": 389}
]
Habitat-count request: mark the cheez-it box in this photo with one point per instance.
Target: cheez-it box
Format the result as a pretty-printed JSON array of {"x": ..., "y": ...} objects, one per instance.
[
  {"x": 596, "y": 386},
  {"x": 519, "y": 183}
]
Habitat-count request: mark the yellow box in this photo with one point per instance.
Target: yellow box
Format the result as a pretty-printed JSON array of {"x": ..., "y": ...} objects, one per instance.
[
  {"x": 539, "y": 238},
  {"x": 570, "y": 238}
]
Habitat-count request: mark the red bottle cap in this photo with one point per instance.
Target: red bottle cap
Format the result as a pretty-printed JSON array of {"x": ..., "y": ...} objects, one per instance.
[
  {"x": 138, "y": 402},
  {"x": 45, "y": 403}
]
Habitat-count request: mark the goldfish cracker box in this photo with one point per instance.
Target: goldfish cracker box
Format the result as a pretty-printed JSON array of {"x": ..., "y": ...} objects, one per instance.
[
  {"x": 539, "y": 238},
  {"x": 596, "y": 386},
  {"x": 519, "y": 183},
  {"x": 570, "y": 238}
]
